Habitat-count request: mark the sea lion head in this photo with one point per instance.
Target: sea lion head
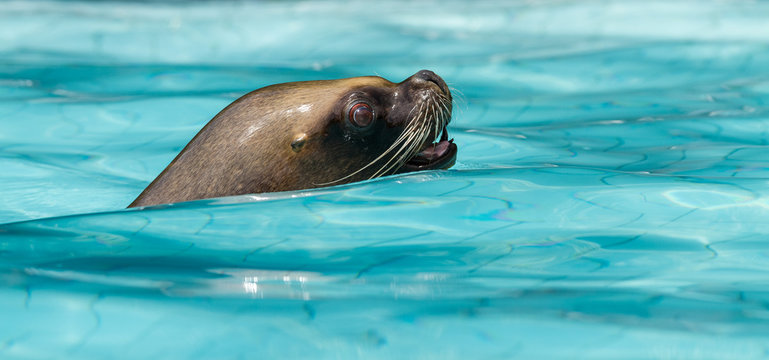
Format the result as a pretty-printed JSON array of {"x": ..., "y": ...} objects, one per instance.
[{"x": 310, "y": 134}]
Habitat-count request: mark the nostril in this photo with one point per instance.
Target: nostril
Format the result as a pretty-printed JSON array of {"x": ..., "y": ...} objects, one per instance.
[
  {"x": 430, "y": 76},
  {"x": 426, "y": 75}
]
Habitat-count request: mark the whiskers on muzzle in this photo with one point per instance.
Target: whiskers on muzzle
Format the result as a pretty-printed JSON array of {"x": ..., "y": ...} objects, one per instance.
[{"x": 426, "y": 121}]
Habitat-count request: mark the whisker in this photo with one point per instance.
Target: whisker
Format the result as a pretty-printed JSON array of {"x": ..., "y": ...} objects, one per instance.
[
  {"x": 425, "y": 121},
  {"x": 404, "y": 151},
  {"x": 458, "y": 96},
  {"x": 396, "y": 160},
  {"x": 403, "y": 137}
]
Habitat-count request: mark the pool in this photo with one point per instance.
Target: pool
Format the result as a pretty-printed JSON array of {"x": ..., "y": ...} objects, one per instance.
[{"x": 610, "y": 197}]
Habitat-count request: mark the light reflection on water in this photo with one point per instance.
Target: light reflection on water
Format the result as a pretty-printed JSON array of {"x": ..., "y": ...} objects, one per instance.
[{"x": 610, "y": 195}]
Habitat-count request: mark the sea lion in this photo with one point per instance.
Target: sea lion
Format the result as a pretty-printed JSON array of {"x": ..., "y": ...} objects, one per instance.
[{"x": 310, "y": 134}]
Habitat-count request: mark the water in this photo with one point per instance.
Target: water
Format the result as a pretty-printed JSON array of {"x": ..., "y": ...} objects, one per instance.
[{"x": 609, "y": 201}]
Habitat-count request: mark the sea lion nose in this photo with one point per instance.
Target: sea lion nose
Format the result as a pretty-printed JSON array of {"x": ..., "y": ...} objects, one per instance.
[{"x": 427, "y": 75}]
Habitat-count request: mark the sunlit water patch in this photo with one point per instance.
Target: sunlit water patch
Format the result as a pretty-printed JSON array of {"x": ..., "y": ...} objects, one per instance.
[{"x": 609, "y": 200}]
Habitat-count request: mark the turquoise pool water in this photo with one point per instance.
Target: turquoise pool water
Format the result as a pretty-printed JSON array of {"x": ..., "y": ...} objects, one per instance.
[{"x": 610, "y": 198}]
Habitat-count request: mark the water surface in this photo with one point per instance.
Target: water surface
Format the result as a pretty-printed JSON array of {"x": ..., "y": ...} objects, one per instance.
[{"x": 609, "y": 200}]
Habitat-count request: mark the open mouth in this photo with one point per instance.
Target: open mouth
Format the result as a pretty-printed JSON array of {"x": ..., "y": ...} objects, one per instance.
[{"x": 438, "y": 155}]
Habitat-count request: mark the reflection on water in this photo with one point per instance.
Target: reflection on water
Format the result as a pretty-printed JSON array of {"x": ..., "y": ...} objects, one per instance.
[{"x": 610, "y": 195}]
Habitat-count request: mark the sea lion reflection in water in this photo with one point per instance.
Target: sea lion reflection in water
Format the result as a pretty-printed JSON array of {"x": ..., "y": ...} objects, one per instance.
[{"x": 311, "y": 134}]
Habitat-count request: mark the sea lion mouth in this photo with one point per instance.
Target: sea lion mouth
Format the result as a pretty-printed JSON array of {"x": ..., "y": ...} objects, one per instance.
[{"x": 438, "y": 155}]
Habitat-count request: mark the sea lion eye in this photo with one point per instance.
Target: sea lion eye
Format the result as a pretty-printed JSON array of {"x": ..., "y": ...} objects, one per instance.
[{"x": 361, "y": 115}]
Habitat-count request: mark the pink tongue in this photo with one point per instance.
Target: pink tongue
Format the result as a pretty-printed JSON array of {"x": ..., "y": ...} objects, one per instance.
[{"x": 434, "y": 151}]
